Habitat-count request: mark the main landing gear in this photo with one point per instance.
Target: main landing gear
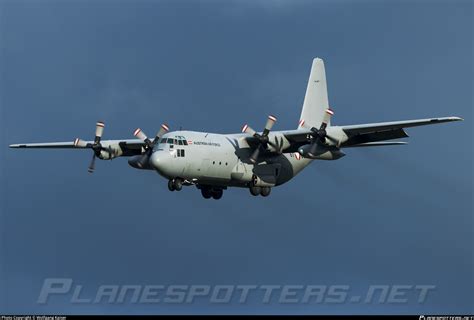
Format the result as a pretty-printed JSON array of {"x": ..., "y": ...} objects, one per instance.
[
  {"x": 263, "y": 191},
  {"x": 208, "y": 193},
  {"x": 175, "y": 184}
]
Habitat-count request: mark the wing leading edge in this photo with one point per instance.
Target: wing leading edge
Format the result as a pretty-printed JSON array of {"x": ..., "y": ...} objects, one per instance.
[{"x": 46, "y": 145}]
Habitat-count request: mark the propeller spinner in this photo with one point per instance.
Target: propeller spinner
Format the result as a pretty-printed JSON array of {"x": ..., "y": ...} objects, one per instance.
[
  {"x": 263, "y": 140},
  {"x": 319, "y": 136}
]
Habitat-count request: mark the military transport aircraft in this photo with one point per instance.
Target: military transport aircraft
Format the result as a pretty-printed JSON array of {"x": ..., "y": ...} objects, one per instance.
[{"x": 254, "y": 160}]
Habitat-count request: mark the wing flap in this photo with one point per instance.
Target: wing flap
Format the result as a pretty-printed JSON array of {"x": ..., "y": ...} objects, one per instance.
[{"x": 374, "y": 137}]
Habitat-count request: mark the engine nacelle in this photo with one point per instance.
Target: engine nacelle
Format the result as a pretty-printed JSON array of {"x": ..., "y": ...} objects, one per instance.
[
  {"x": 322, "y": 153},
  {"x": 110, "y": 151},
  {"x": 133, "y": 162},
  {"x": 108, "y": 154}
]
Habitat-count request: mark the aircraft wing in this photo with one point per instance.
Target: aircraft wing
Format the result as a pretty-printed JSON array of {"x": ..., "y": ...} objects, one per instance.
[
  {"x": 374, "y": 132},
  {"x": 128, "y": 146},
  {"x": 46, "y": 145},
  {"x": 365, "y": 135}
]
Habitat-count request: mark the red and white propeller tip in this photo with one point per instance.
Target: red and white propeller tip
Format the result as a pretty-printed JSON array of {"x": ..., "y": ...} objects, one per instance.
[
  {"x": 99, "y": 129},
  {"x": 164, "y": 129},
  {"x": 247, "y": 129},
  {"x": 327, "y": 116},
  {"x": 139, "y": 134},
  {"x": 270, "y": 122}
]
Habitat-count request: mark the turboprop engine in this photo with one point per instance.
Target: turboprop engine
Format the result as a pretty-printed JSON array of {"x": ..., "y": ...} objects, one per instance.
[{"x": 320, "y": 152}]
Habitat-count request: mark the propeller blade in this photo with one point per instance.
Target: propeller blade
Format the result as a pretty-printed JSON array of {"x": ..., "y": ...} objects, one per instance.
[
  {"x": 313, "y": 148},
  {"x": 274, "y": 145},
  {"x": 79, "y": 143},
  {"x": 143, "y": 160},
  {"x": 254, "y": 157},
  {"x": 327, "y": 117},
  {"x": 263, "y": 140},
  {"x": 92, "y": 165},
  {"x": 164, "y": 129},
  {"x": 247, "y": 129},
  {"x": 142, "y": 136},
  {"x": 99, "y": 130},
  {"x": 268, "y": 126}
]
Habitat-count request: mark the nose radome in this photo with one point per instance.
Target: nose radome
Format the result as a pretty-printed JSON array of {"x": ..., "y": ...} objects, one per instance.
[{"x": 156, "y": 161}]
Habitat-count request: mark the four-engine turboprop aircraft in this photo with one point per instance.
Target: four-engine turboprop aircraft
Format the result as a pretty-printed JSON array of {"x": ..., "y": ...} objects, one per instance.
[{"x": 254, "y": 160}]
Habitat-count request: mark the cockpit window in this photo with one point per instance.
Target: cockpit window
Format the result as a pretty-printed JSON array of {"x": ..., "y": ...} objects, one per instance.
[{"x": 178, "y": 140}]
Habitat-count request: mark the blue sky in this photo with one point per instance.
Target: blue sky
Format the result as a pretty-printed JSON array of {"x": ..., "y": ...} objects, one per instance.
[{"x": 395, "y": 215}]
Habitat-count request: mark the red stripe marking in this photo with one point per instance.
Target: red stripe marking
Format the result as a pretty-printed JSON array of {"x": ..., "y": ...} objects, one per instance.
[
  {"x": 273, "y": 118},
  {"x": 136, "y": 132},
  {"x": 330, "y": 111},
  {"x": 101, "y": 124},
  {"x": 244, "y": 128},
  {"x": 164, "y": 126}
]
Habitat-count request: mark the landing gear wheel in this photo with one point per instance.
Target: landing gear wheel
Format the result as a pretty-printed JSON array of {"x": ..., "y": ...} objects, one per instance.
[
  {"x": 206, "y": 193},
  {"x": 171, "y": 185},
  {"x": 265, "y": 191},
  {"x": 178, "y": 184},
  {"x": 255, "y": 191},
  {"x": 217, "y": 193}
]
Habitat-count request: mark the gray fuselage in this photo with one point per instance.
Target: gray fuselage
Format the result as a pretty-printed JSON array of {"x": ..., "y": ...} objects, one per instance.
[{"x": 220, "y": 160}]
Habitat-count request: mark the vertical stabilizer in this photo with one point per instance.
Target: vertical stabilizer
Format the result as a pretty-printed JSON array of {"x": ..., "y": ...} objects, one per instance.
[{"x": 316, "y": 97}]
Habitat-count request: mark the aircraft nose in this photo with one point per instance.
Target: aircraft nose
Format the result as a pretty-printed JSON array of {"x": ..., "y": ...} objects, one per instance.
[
  {"x": 156, "y": 161},
  {"x": 161, "y": 162}
]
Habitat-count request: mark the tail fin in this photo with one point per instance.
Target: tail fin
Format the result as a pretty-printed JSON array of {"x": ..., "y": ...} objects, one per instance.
[{"x": 316, "y": 97}]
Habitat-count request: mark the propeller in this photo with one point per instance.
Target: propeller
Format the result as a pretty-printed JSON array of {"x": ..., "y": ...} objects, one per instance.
[
  {"x": 96, "y": 146},
  {"x": 149, "y": 144},
  {"x": 263, "y": 140},
  {"x": 319, "y": 136}
]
